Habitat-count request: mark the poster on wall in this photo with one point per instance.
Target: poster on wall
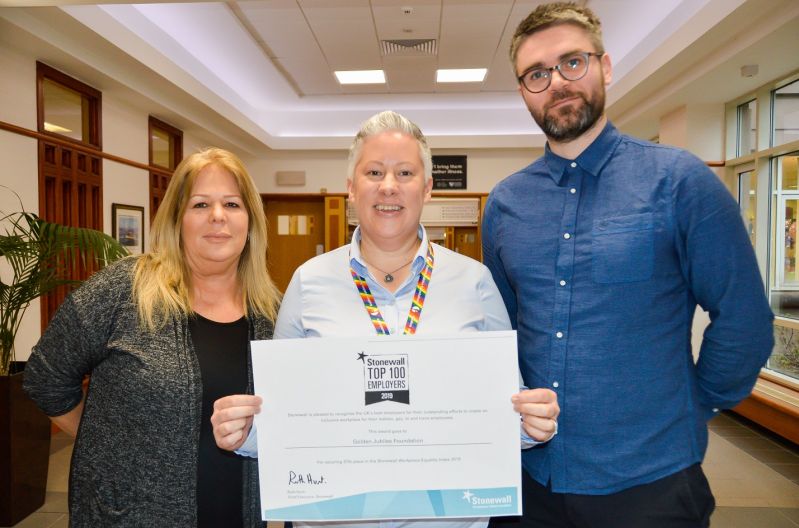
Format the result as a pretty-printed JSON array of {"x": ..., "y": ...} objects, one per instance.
[
  {"x": 449, "y": 172},
  {"x": 127, "y": 224}
]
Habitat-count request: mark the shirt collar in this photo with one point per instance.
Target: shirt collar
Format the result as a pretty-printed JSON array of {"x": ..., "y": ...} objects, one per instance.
[
  {"x": 359, "y": 265},
  {"x": 591, "y": 160}
]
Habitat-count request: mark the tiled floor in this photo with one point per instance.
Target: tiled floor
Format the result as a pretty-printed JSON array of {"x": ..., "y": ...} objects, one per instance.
[{"x": 754, "y": 476}]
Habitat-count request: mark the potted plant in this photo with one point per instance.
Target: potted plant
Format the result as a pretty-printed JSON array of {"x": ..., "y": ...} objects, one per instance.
[{"x": 35, "y": 259}]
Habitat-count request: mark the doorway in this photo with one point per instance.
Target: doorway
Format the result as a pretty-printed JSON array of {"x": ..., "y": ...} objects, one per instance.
[{"x": 295, "y": 233}]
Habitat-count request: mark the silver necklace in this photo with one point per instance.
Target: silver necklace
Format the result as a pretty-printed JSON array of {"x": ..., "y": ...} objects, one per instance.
[{"x": 389, "y": 276}]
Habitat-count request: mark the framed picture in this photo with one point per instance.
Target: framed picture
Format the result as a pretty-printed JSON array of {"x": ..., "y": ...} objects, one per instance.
[{"x": 127, "y": 223}]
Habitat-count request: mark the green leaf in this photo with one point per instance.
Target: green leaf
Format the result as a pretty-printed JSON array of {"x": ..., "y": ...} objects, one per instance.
[{"x": 41, "y": 255}]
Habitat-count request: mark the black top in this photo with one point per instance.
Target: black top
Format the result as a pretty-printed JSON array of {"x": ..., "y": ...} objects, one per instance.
[{"x": 221, "y": 350}]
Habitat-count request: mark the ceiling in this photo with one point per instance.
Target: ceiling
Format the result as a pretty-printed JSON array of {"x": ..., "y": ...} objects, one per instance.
[{"x": 259, "y": 73}]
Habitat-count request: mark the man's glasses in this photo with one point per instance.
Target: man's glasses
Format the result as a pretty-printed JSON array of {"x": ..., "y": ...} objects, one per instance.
[{"x": 572, "y": 68}]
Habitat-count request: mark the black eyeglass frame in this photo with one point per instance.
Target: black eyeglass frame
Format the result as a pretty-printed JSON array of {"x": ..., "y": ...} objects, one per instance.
[{"x": 586, "y": 56}]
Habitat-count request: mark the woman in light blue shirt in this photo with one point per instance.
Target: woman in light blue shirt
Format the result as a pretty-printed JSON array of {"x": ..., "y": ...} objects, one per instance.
[{"x": 391, "y": 279}]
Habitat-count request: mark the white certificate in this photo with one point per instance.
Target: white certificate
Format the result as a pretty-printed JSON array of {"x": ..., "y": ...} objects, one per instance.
[{"x": 388, "y": 427}]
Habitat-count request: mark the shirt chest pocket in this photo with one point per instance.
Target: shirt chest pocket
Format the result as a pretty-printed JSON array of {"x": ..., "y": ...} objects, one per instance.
[{"x": 623, "y": 248}]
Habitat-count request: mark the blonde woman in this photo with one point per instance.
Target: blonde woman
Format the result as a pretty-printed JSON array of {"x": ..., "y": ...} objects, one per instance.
[{"x": 163, "y": 336}]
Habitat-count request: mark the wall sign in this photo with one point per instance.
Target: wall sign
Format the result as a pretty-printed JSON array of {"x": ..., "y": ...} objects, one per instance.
[{"x": 449, "y": 172}]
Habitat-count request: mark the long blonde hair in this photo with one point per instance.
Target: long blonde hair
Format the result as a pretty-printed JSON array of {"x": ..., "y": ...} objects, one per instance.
[{"x": 161, "y": 283}]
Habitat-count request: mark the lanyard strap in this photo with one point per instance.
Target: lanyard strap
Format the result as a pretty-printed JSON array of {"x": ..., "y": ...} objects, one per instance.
[{"x": 417, "y": 303}]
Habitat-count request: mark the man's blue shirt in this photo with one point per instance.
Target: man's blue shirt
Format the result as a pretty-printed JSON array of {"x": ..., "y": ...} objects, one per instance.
[{"x": 601, "y": 262}]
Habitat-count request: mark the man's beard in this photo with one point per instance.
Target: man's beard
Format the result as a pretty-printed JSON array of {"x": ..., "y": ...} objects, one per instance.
[{"x": 568, "y": 122}]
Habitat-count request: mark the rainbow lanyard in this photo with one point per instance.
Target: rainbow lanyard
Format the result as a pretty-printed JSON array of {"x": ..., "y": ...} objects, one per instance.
[{"x": 416, "y": 305}]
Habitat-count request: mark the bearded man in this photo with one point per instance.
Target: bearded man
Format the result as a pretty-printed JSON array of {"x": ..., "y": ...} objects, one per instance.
[{"x": 602, "y": 249}]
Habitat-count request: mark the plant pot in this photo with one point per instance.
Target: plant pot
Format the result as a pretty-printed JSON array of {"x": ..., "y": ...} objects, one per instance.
[{"x": 24, "y": 451}]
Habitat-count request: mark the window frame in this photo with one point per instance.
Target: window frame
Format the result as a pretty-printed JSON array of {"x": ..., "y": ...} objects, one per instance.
[
  {"x": 773, "y": 106},
  {"x": 157, "y": 172},
  {"x": 771, "y": 197},
  {"x": 177, "y": 138},
  {"x": 94, "y": 97}
]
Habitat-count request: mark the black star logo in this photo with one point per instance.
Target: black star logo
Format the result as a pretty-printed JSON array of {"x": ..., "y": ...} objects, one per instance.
[{"x": 361, "y": 356}]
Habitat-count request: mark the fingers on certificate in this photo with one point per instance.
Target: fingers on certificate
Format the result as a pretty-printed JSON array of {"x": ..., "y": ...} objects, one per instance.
[
  {"x": 232, "y": 419},
  {"x": 539, "y": 411}
]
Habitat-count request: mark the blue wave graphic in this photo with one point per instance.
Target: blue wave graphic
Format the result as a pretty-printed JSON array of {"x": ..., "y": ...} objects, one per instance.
[{"x": 412, "y": 504}]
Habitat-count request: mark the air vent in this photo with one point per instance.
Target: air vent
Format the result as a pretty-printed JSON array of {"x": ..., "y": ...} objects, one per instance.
[{"x": 410, "y": 47}]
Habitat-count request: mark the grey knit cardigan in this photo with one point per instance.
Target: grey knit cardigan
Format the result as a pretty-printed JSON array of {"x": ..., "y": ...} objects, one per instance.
[{"x": 135, "y": 456}]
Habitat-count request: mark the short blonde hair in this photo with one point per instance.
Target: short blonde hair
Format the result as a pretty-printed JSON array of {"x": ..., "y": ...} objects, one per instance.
[
  {"x": 554, "y": 14},
  {"x": 389, "y": 121},
  {"x": 162, "y": 278}
]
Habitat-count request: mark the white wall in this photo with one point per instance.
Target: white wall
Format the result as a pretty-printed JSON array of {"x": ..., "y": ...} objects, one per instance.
[
  {"x": 328, "y": 169},
  {"x": 20, "y": 173},
  {"x": 193, "y": 144},
  {"x": 18, "y": 106},
  {"x": 696, "y": 128},
  {"x": 674, "y": 128},
  {"x": 123, "y": 184},
  {"x": 20, "y": 165},
  {"x": 125, "y": 135}
]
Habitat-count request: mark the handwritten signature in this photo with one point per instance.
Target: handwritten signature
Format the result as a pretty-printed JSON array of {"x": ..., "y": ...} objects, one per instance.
[{"x": 305, "y": 478}]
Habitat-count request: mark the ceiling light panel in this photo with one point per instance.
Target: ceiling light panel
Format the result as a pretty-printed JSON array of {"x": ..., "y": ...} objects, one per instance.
[
  {"x": 361, "y": 77},
  {"x": 461, "y": 75}
]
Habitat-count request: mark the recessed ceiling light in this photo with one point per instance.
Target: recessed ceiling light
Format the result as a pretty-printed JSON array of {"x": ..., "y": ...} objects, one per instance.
[
  {"x": 361, "y": 77},
  {"x": 455, "y": 76}
]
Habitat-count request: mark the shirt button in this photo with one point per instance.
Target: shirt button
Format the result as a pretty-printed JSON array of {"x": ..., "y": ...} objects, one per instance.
[
  {"x": 555, "y": 384},
  {"x": 559, "y": 335},
  {"x": 567, "y": 236},
  {"x": 573, "y": 165},
  {"x": 572, "y": 190},
  {"x": 562, "y": 283}
]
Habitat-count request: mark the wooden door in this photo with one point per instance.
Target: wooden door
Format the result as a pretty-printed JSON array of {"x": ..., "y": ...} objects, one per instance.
[
  {"x": 70, "y": 193},
  {"x": 295, "y": 233},
  {"x": 466, "y": 241}
]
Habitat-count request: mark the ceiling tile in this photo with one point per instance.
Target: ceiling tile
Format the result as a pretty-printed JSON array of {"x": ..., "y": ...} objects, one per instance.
[
  {"x": 411, "y": 74},
  {"x": 393, "y": 23},
  {"x": 312, "y": 76},
  {"x": 345, "y": 31},
  {"x": 280, "y": 24}
]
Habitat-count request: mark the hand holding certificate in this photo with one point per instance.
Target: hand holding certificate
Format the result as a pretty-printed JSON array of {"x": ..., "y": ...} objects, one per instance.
[{"x": 388, "y": 427}]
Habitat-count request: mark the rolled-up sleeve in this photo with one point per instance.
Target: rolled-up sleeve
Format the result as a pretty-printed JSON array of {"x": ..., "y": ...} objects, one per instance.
[{"x": 71, "y": 346}]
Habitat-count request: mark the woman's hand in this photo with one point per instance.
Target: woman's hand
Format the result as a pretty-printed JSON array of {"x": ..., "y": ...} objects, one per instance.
[
  {"x": 539, "y": 409},
  {"x": 232, "y": 419}
]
